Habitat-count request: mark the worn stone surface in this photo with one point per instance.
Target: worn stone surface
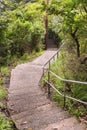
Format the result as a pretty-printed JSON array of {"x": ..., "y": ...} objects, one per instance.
[{"x": 29, "y": 107}]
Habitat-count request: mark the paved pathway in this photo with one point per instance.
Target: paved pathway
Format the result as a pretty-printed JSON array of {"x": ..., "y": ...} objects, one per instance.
[{"x": 29, "y": 107}]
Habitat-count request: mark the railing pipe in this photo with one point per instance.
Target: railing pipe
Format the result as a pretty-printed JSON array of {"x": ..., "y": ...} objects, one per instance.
[
  {"x": 66, "y": 80},
  {"x": 74, "y": 99},
  {"x": 49, "y": 65},
  {"x": 49, "y": 84},
  {"x": 43, "y": 71},
  {"x": 57, "y": 55},
  {"x": 53, "y": 55}
]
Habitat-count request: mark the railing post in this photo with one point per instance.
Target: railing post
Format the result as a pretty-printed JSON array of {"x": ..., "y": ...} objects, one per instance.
[
  {"x": 48, "y": 84},
  {"x": 57, "y": 55},
  {"x": 49, "y": 65},
  {"x": 64, "y": 95},
  {"x": 43, "y": 71},
  {"x": 49, "y": 80},
  {"x": 54, "y": 58}
]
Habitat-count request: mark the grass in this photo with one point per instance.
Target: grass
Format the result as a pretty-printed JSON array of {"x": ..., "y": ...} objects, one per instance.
[
  {"x": 68, "y": 69},
  {"x": 5, "y": 71},
  {"x": 26, "y": 58},
  {"x": 1, "y": 80},
  {"x": 3, "y": 93},
  {"x": 5, "y": 124}
]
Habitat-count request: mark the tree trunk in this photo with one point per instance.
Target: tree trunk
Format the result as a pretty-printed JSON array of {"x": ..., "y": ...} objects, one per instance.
[
  {"x": 46, "y": 24},
  {"x": 77, "y": 43},
  {"x": 78, "y": 47},
  {"x": 85, "y": 9}
]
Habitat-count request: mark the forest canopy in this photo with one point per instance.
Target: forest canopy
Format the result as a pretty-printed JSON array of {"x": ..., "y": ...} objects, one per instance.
[{"x": 22, "y": 29}]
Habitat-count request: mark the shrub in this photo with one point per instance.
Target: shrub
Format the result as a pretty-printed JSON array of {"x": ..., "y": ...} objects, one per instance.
[
  {"x": 3, "y": 93},
  {"x": 5, "y": 124}
]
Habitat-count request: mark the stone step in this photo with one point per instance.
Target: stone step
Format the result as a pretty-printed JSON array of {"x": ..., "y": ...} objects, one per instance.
[
  {"x": 26, "y": 102},
  {"x": 44, "y": 107},
  {"x": 44, "y": 58},
  {"x": 28, "y": 105},
  {"x": 18, "y": 93},
  {"x": 50, "y": 44},
  {"x": 40, "y": 119},
  {"x": 66, "y": 124}
]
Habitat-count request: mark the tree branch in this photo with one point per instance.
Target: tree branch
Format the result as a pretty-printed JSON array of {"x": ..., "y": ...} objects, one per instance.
[{"x": 85, "y": 9}]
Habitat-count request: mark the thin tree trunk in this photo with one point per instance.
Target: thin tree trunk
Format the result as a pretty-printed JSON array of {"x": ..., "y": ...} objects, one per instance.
[
  {"x": 77, "y": 43},
  {"x": 78, "y": 46},
  {"x": 46, "y": 23},
  {"x": 85, "y": 9}
]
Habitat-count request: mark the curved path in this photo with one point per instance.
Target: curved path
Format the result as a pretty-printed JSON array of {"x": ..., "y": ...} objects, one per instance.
[{"x": 28, "y": 105}]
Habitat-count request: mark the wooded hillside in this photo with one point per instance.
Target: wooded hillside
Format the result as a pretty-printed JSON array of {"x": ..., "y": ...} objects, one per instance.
[{"x": 23, "y": 31}]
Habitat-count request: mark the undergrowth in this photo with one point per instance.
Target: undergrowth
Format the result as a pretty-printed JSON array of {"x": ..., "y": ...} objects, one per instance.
[
  {"x": 25, "y": 58},
  {"x": 5, "y": 124},
  {"x": 69, "y": 67},
  {"x": 3, "y": 93}
]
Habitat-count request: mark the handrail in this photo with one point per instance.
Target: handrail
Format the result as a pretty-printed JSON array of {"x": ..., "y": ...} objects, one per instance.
[
  {"x": 64, "y": 80},
  {"x": 50, "y": 59},
  {"x": 63, "y": 94},
  {"x": 53, "y": 55}
]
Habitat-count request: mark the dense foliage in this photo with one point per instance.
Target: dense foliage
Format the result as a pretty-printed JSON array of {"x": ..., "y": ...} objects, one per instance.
[
  {"x": 68, "y": 19},
  {"x": 5, "y": 124},
  {"x": 21, "y": 29}
]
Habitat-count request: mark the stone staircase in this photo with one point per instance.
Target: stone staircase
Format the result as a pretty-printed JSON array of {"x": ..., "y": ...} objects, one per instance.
[
  {"x": 51, "y": 45},
  {"x": 29, "y": 106}
]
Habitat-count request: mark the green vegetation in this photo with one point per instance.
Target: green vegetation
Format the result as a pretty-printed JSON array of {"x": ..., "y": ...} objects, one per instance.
[
  {"x": 69, "y": 67},
  {"x": 25, "y": 58},
  {"x": 5, "y": 124},
  {"x": 5, "y": 71},
  {"x": 22, "y": 29},
  {"x": 68, "y": 20},
  {"x": 22, "y": 38},
  {"x": 3, "y": 93}
]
